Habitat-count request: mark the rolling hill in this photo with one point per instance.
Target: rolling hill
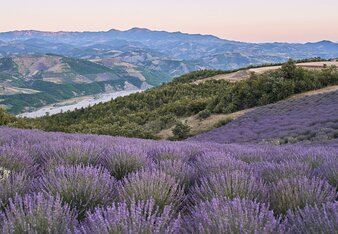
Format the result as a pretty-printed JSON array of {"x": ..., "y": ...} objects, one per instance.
[
  {"x": 172, "y": 53},
  {"x": 31, "y": 81},
  {"x": 307, "y": 117},
  {"x": 148, "y": 114}
]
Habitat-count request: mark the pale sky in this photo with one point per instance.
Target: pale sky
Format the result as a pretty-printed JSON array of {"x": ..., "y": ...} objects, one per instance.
[{"x": 243, "y": 20}]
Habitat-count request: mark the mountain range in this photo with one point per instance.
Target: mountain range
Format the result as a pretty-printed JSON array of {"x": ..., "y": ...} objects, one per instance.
[
  {"x": 40, "y": 68},
  {"x": 172, "y": 53}
]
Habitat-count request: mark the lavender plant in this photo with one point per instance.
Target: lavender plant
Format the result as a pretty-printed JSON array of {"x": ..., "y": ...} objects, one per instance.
[
  {"x": 312, "y": 220},
  {"x": 165, "y": 153},
  {"x": 299, "y": 192},
  {"x": 83, "y": 188},
  {"x": 221, "y": 215},
  {"x": 180, "y": 170},
  {"x": 213, "y": 163},
  {"x": 230, "y": 185},
  {"x": 137, "y": 217},
  {"x": 37, "y": 213},
  {"x": 13, "y": 184},
  {"x": 71, "y": 152},
  {"x": 121, "y": 161},
  {"x": 157, "y": 185},
  {"x": 329, "y": 171},
  {"x": 274, "y": 172},
  {"x": 14, "y": 159}
]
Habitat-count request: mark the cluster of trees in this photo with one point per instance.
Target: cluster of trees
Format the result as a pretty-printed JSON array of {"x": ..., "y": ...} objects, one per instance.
[{"x": 145, "y": 114}]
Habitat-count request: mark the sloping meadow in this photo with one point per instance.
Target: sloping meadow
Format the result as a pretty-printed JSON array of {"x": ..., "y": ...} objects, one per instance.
[{"x": 73, "y": 183}]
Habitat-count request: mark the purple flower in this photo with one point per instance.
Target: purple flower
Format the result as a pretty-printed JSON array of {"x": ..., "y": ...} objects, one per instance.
[
  {"x": 181, "y": 171},
  {"x": 83, "y": 188},
  {"x": 123, "y": 160},
  {"x": 329, "y": 171},
  {"x": 299, "y": 192},
  {"x": 36, "y": 213},
  {"x": 317, "y": 219},
  {"x": 70, "y": 152},
  {"x": 12, "y": 185},
  {"x": 230, "y": 185},
  {"x": 273, "y": 172},
  {"x": 15, "y": 159},
  {"x": 213, "y": 163},
  {"x": 138, "y": 217},
  {"x": 221, "y": 215},
  {"x": 157, "y": 185}
]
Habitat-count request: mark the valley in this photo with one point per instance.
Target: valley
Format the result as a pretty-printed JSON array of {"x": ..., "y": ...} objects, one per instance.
[{"x": 76, "y": 103}]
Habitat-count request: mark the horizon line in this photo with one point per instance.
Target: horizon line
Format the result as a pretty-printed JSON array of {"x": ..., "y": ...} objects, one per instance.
[{"x": 166, "y": 31}]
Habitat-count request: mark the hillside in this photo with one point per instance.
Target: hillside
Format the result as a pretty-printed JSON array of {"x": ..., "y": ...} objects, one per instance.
[
  {"x": 31, "y": 81},
  {"x": 172, "y": 54},
  {"x": 307, "y": 117},
  {"x": 146, "y": 114}
]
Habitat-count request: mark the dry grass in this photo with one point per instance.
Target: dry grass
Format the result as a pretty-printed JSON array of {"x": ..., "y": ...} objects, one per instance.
[
  {"x": 199, "y": 126},
  {"x": 245, "y": 74},
  {"x": 29, "y": 65}
]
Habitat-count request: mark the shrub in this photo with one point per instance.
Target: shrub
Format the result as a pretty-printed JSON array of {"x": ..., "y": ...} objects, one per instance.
[
  {"x": 204, "y": 114},
  {"x": 166, "y": 153},
  {"x": 230, "y": 185},
  {"x": 221, "y": 215},
  {"x": 273, "y": 172},
  {"x": 139, "y": 217},
  {"x": 181, "y": 131},
  {"x": 71, "y": 152},
  {"x": 312, "y": 220},
  {"x": 157, "y": 185},
  {"x": 299, "y": 192},
  {"x": 329, "y": 171},
  {"x": 83, "y": 188},
  {"x": 181, "y": 171},
  {"x": 223, "y": 122},
  {"x": 14, "y": 184},
  {"x": 15, "y": 159},
  {"x": 121, "y": 161},
  {"x": 37, "y": 213},
  {"x": 213, "y": 163}
]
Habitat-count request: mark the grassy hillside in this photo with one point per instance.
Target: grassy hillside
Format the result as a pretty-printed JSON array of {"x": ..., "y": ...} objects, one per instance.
[{"x": 145, "y": 114}]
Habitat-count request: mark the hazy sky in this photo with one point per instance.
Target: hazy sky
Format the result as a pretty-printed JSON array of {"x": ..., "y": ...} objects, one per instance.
[{"x": 244, "y": 20}]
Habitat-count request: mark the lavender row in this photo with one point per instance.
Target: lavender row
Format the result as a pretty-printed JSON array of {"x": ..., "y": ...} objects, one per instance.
[{"x": 64, "y": 183}]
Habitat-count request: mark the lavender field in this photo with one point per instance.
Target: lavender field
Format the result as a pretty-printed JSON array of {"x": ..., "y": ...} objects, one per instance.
[
  {"x": 73, "y": 183},
  {"x": 308, "y": 119}
]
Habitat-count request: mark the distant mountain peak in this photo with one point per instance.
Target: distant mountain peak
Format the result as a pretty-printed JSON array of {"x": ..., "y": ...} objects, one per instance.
[{"x": 139, "y": 29}]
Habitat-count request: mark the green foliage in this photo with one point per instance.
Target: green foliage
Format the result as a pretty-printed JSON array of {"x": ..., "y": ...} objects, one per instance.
[
  {"x": 7, "y": 64},
  {"x": 5, "y": 118},
  {"x": 181, "y": 131},
  {"x": 84, "y": 67},
  {"x": 155, "y": 78},
  {"x": 223, "y": 122},
  {"x": 144, "y": 114},
  {"x": 204, "y": 114}
]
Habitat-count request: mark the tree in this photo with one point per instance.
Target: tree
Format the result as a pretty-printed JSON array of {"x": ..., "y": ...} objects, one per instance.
[
  {"x": 181, "y": 131},
  {"x": 289, "y": 69},
  {"x": 5, "y": 118}
]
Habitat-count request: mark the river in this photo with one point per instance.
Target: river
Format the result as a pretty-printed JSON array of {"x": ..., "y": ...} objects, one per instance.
[{"x": 76, "y": 103}]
